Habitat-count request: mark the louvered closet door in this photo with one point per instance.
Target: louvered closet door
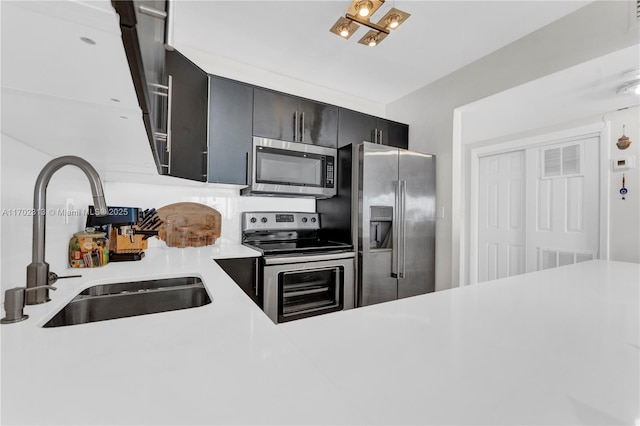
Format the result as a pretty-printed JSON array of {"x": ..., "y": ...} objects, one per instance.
[
  {"x": 501, "y": 216},
  {"x": 562, "y": 193}
]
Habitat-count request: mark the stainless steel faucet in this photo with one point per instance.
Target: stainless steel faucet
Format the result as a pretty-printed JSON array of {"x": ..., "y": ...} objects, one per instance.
[{"x": 38, "y": 271}]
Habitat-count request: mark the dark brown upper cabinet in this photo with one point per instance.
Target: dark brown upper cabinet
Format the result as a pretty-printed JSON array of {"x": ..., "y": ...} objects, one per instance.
[
  {"x": 211, "y": 119},
  {"x": 142, "y": 27},
  {"x": 289, "y": 118},
  {"x": 354, "y": 127},
  {"x": 188, "y": 131},
  {"x": 230, "y": 138}
]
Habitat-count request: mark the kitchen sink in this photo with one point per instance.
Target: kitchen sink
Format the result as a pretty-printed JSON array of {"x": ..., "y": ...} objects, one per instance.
[{"x": 128, "y": 299}]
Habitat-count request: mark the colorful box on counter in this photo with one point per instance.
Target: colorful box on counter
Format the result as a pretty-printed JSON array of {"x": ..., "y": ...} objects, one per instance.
[{"x": 88, "y": 249}]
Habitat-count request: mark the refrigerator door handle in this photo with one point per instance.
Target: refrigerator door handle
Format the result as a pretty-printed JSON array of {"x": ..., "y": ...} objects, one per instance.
[
  {"x": 395, "y": 229},
  {"x": 402, "y": 228}
]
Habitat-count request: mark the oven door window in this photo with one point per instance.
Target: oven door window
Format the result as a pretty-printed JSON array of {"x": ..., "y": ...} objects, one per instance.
[
  {"x": 309, "y": 292},
  {"x": 278, "y": 166}
]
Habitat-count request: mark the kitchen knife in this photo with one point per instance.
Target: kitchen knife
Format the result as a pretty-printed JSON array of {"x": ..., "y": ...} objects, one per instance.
[
  {"x": 150, "y": 215},
  {"x": 151, "y": 223}
]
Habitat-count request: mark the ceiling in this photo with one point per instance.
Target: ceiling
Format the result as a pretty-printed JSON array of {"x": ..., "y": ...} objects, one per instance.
[
  {"x": 292, "y": 38},
  {"x": 63, "y": 96},
  {"x": 583, "y": 91}
]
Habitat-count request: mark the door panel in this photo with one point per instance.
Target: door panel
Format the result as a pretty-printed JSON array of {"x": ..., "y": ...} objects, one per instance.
[
  {"x": 230, "y": 141},
  {"x": 320, "y": 123},
  {"x": 393, "y": 134},
  {"x": 501, "y": 216},
  {"x": 378, "y": 172},
  {"x": 189, "y": 106},
  {"x": 274, "y": 115},
  {"x": 375, "y": 276},
  {"x": 418, "y": 171},
  {"x": 354, "y": 127},
  {"x": 562, "y": 184}
]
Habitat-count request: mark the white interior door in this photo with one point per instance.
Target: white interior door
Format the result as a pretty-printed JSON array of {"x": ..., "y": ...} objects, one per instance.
[
  {"x": 501, "y": 231},
  {"x": 563, "y": 192},
  {"x": 538, "y": 208}
]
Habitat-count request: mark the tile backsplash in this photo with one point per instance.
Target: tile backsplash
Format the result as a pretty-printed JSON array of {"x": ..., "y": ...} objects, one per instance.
[
  {"x": 224, "y": 199},
  {"x": 20, "y": 166}
]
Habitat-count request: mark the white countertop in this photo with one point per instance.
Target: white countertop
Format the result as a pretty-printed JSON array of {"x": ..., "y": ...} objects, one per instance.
[
  {"x": 556, "y": 347},
  {"x": 559, "y": 346}
]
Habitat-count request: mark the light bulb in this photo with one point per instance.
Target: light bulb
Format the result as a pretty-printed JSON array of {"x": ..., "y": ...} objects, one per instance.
[
  {"x": 344, "y": 30},
  {"x": 372, "y": 41},
  {"x": 364, "y": 8},
  {"x": 393, "y": 21}
]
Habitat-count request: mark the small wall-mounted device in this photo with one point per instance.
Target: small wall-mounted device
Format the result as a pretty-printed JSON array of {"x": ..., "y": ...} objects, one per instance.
[{"x": 622, "y": 164}]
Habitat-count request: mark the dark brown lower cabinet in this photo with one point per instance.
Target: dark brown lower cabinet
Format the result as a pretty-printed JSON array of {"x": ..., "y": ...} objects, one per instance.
[{"x": 245, "y": 271}]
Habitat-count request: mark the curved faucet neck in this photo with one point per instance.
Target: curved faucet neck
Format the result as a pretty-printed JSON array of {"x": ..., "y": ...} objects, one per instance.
[{"x": 38, "y": 270}]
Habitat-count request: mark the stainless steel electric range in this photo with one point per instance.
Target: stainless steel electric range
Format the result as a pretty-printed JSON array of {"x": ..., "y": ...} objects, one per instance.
[{"x": 303, "y": 275}]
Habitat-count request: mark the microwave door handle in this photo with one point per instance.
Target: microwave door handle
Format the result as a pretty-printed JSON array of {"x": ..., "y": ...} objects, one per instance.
[
  {"x": 339, "y": 280},
  {"x": 249, "y": 159},
  {"x": 395, "y": 231}
]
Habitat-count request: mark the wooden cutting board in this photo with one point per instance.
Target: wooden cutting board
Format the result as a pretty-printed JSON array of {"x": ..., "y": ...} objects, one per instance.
[{"x": 194, "y": 215}]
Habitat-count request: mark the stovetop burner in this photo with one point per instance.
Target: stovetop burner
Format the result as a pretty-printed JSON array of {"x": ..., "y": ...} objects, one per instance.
[
  {"x": 277, "y": 233},
  {"x": 298, "y": 246}
]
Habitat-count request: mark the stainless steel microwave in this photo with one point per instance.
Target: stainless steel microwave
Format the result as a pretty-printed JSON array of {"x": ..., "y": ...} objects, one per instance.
[{"x": 290, "y": 169}]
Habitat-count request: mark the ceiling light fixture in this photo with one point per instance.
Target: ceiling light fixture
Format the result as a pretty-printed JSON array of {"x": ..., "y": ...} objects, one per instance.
[
  {"x": 372, "y": 38},
  {"x": 364, "y": 8},
  {"x": 344, "y": 28},
  {"x": 393, "y": 18},
  {"x": 631, "y": 87},
  {"x": 357, "y": 14},
  {"x": 393, "y": 21},
  {"x": 632, "y": 82}
]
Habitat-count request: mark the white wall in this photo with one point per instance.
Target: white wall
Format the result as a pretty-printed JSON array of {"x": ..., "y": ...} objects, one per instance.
[
  {"x": 597, "y": 29},
  {"x": 19, "y": 167},
  {"x": 624, "y": 224}
]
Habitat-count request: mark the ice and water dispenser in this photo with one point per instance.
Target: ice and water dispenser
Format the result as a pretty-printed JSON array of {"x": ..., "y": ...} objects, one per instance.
[{"x": 381, "y": 227}]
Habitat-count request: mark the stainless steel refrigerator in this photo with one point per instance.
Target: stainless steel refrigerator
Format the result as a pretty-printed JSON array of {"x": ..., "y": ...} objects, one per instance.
[{"x": 394, "y": 208}]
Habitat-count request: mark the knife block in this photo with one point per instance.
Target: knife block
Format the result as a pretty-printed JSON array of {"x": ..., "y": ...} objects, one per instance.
[{"x": 124, "y": 244}]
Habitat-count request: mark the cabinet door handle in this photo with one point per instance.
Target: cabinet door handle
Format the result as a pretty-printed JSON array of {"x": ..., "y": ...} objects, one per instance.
[
  {"x": 205, "y": 166},
  {"x": 295, "y": 126},
  {"x": 257, "y": 271},
  {"x": 169, "y": 105},
  {"x": 302, "y": 127},
  {"x": 374, "y": 135},
  {"x": 380, "y": 138}
]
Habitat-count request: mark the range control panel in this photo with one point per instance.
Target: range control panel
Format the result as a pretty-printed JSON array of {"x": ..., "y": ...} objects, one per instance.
[{"x": 279, "y": 220}]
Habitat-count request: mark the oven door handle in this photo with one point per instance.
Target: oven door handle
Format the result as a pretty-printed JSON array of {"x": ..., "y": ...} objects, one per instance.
[{"x": 304, "y": 258}]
